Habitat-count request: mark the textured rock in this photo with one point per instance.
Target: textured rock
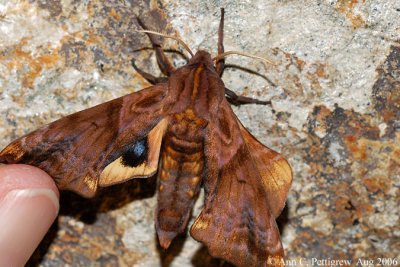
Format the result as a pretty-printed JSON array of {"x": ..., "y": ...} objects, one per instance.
[{"x": 335, "y": 115}]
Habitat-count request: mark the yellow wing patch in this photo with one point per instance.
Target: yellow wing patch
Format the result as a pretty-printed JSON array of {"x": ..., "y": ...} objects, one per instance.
[{"x": 116, "y": 172}]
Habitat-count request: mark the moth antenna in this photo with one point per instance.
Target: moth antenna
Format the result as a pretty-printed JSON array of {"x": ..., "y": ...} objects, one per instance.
[
  {"x": 221, "y": 56},
  {"x": 169, "y": 36}
]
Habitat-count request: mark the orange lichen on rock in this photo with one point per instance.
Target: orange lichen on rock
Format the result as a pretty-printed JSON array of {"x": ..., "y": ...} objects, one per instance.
[
  {"x": 378, "y": 182},
  {"x": 113, "y": 13},
  {"x": 346, "y": 7},
  {"x": 28, "y": 64},
  {"x": 358, "y": 150},
  {"x": 321, "y": 71}
]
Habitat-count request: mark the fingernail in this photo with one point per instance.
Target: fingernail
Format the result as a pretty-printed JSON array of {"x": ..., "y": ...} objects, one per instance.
[{"x": 25, "y": 217}]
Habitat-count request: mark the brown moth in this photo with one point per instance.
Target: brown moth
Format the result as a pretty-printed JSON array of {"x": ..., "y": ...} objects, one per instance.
[{"x": 183, "y": 130}]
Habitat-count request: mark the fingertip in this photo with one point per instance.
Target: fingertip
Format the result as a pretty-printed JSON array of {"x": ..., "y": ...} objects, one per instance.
[
  {"x": 28, "y": 206},
  {"x": 21, "y": 176}
]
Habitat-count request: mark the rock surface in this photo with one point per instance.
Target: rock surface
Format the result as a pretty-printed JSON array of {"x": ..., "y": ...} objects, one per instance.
[{"x": 335, "y": 115}]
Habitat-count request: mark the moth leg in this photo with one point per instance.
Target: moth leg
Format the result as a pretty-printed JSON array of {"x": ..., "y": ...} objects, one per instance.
[
  {"x": 237, "y": 100},
  {"x": 149, "y": 77},
  {"x": 165, "y": 65},
  {"x": 221, "y": 63}
]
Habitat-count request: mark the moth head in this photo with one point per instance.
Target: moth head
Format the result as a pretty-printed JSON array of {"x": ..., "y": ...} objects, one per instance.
[{"x": 201, "y": 56}]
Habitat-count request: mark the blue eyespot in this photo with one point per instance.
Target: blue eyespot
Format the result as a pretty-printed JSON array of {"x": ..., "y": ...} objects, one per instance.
[{"x": 136, "y": 153}]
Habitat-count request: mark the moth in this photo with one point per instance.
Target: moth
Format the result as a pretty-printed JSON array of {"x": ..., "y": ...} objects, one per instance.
[{"x": 183, "y": 130}]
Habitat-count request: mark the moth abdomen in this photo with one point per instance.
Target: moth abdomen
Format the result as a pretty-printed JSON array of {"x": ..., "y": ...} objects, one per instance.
[
  {"x": 185, "y": 146},
  {"x": 180, "y": 175}
]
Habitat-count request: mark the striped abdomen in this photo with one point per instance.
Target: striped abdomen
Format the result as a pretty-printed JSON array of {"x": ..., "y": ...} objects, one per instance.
[{"x": 180, "y": 174}]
